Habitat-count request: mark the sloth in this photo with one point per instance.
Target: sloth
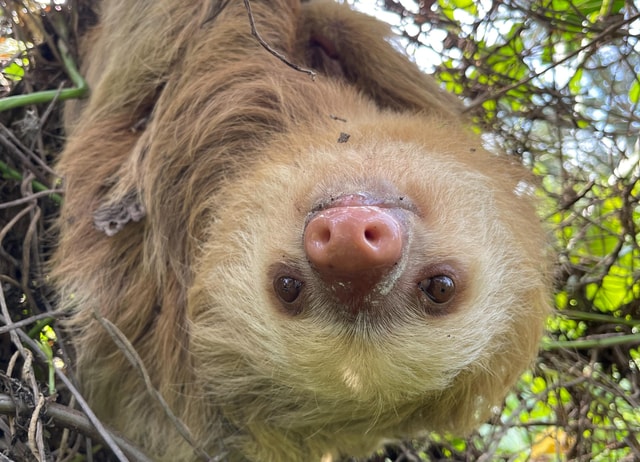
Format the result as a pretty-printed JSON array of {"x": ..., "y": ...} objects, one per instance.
[{"x": 307, "y": 247}]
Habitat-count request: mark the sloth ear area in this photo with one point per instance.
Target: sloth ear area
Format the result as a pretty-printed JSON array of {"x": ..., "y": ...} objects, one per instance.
[
  {"x": 322, "y": 56},
  {"x": 331, "y": 38},
  {"x": 341, "y": 43}
]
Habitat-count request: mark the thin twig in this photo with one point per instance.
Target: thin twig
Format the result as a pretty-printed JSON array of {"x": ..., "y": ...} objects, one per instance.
[
  {"x": 496, "y": 94},
  {"x": 132, "y": 355},
  {"x": 71, "y": 418},
  {"x": 35, "y": 431},
  {"x": 30, "y": 197},
  {"x": 266, "y": 46},
  {"x": 25, "y": 155},
  {"x": 19, "y": 338},
  {"x": 27, "y": 321}
]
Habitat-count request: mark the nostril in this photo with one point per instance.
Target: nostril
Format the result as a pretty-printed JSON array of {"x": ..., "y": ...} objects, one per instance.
[
  {"x": 324, "y": 235},
  {"x": 372, "y": 235}
]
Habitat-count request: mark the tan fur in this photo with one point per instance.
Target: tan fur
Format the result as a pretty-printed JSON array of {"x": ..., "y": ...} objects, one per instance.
[{"x": 228, "y": 149}]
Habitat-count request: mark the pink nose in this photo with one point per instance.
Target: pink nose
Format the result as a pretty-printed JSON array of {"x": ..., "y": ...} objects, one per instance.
[{"x": 342, "y": 243}]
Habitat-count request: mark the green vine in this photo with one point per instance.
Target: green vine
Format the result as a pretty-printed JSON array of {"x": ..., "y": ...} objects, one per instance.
[{"x": 46, "y": 96}]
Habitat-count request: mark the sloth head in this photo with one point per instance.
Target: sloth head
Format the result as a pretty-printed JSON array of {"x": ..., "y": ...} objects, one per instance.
[{"x": 401, "y": 269}]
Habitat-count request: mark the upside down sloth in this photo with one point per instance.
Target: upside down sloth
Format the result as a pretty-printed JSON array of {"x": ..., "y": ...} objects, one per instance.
[{"x": 306, "y": 267}]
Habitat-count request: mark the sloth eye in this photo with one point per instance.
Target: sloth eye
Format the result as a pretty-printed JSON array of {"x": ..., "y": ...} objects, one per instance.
[
  {"x": 287, "y": 288},
  {"x": 439, "y": 289}
]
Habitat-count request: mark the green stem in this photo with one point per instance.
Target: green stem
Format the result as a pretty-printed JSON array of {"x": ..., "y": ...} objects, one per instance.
[
  {"x": 47, "y": 96},
  {"x": 10, "y": 174},
  {"x": 581, "y": 344},
  {"x": 599, "y": 317}
]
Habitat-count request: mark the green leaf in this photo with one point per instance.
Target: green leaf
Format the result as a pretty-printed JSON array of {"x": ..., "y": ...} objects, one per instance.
[
  {"x": 562, "y": 300},
  {"x": 575, "y": 84},
  {"x": 539, "y": 385},
  {"x": 634, "y": 91},
  {"x": 13, "y": 71},
  {"x": 613, "y": 292},
  {"x": 467, "y": 5},
  {"x": 449, "y": 7},
  {"x": 489, "y": 105},
  {"x": 459, "y": 444}
]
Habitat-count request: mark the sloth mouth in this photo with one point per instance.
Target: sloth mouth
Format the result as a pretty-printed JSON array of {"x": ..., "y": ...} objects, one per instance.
[{"x": 382, "y": 199}]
